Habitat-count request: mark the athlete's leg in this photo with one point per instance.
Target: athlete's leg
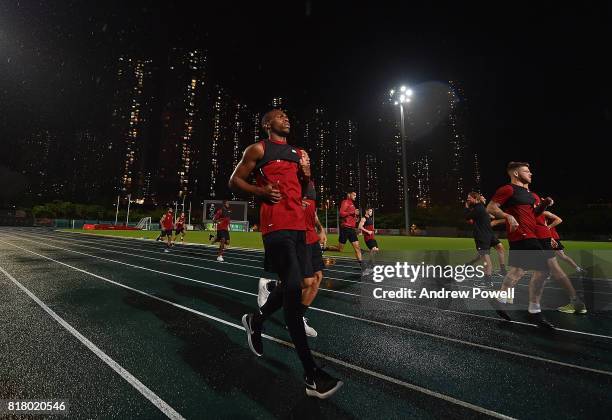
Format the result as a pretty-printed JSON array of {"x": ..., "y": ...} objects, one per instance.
[
  {"x": 373, "y": 253},
  {"x": 502, "y": 257},
  {"x": 337, "y": 248},
  {"x": 488, "y": 265},
  {"x": 559, "y": 275},
  {"x": 536, "y": 287},
  {"x": 561, "y": 254},
  {"x": 512, "y": 278},
  {"x": 357, "y": 250},
  {"x": 311, "y": 288}
]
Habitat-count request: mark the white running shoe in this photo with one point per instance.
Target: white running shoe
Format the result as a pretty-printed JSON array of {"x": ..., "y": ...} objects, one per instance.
[
  {"x": 220, "y": 258},
  {"x": 167, "y": 250},
  {"x": 262, "y": 291},
  {"x": 310, "y": 332}
]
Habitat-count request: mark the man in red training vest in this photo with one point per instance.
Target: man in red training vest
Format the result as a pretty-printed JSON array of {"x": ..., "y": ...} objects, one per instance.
[
  {"x": 348, "y": 214},
  {"x": 283, "y": 173},
  {"x": 222, "y": 218},
  {"x": 179, "y": 228}
]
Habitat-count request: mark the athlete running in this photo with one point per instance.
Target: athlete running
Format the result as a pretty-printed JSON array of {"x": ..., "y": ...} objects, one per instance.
[
  {"x": 515, "y": 204},
  {"x": 552, "y": 220},
  {"x": 348, "y": 214},
  {"x": 179, "y": 228},
  {"x": 315, "y": 237},
  {"x": 484, "y": 237},
  {"x": 222, "y": 218},
  {"x": 283, "y": 172},
  {"x": 366, "y": 226},
  {"x": 167, "y": 223}
]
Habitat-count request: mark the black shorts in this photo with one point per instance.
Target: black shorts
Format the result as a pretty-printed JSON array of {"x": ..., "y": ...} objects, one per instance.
[
  {"x": 223, "y": 234},
  {"x": 528, "y": 254},
  {"x": 177, "y": 231},
  {"x": 371, "y": 243},
  {"x": 484, "y": 244},
  {"x": 547, "y": 247},
  {"x": 560, "y": 246},
  {"x": 347, "y": 233},
  {"x": 314, "y": 259},
  {"x": 283, "y": 247},
  {"x": 166, "y": 232}
]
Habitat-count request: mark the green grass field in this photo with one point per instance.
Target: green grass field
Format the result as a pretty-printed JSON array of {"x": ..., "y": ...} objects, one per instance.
[{"x": 387, "y": 243}]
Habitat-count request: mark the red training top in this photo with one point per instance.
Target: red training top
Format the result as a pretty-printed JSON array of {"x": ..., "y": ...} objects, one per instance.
[
  {"x": 347, "y": 213},
  {"x": 222, "y": 217},
  {"x": 368, "y": 225},
  {"x": 542, "y": 231},
  {"x": 280, "y": 166},
  {"x": 310, "y": 211},
  {"x": 167, "y": 221},
  {"x": 518, "y": 202},
  {"x": 555, "y": 235}
]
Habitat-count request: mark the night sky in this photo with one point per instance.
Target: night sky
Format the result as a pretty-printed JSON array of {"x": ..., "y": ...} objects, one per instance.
[{"x": 537, "y": 78}]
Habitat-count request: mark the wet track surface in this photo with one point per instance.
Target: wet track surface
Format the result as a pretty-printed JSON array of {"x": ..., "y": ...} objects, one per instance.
[{"x": 172, "y": 321}]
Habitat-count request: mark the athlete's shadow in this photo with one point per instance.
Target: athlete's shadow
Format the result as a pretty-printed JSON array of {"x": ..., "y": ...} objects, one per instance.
[
  {"x": 219, "y": 356},
  {"x": 225, "y": 301}
]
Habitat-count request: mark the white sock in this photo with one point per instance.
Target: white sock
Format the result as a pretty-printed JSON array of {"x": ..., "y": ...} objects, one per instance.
[{"x": 534, "y": 308}]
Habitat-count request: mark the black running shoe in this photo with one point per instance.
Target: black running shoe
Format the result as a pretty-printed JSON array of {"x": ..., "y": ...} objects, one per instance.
[
  {"x": 210, "y": 237},
  {"x": 321, "y": 384},
  {"x": 500, "y": 309},
  {"x": 540, "y": 321},
  {"x": 253, "y": 335}
]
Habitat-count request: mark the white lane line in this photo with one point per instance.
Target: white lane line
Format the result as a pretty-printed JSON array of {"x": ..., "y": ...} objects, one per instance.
[
  {"x": 260, "y": 251},
  {"x": 369, "y": 321},
  {"x": 131, "y": 379},
  {"x": 204, "y": 247},
  {"x": 123, "y": 240},
  {"x": 213, "y": 252},
  {"x": 98, "y": 248},
  {"x": 177, "y": 253},
  {"x": 240, "y": 327}
]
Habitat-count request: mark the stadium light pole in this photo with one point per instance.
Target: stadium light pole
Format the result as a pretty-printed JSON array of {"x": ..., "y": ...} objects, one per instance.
[
  {"x": 117, "y": 211},
  {"x": 326, "y": 207},
  {"x": 127, "y": 217},
  {"x": 399, "y": 98}
]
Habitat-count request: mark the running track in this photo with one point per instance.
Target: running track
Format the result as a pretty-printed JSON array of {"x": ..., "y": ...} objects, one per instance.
[{"x": 121, "y": 329}]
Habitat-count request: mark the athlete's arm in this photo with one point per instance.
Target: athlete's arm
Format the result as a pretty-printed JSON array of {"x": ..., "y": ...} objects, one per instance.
[
  {"x": 496, "y": 222},
  {"x": 501, "y": 196},
  {"x": 544, "y": 204},
  {"x": 494, "y": 208},
  {"x": 361, "y": 228},
  {"x": 239, "y": 181},
  {"x": 556, "y": 220}
]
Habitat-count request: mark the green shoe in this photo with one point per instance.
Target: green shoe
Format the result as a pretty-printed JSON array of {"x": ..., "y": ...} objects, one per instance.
[
  {"x": 580, "y": 307},
  {"x": 567, "y": 309},
  {"x": 572, "y": 308}
]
